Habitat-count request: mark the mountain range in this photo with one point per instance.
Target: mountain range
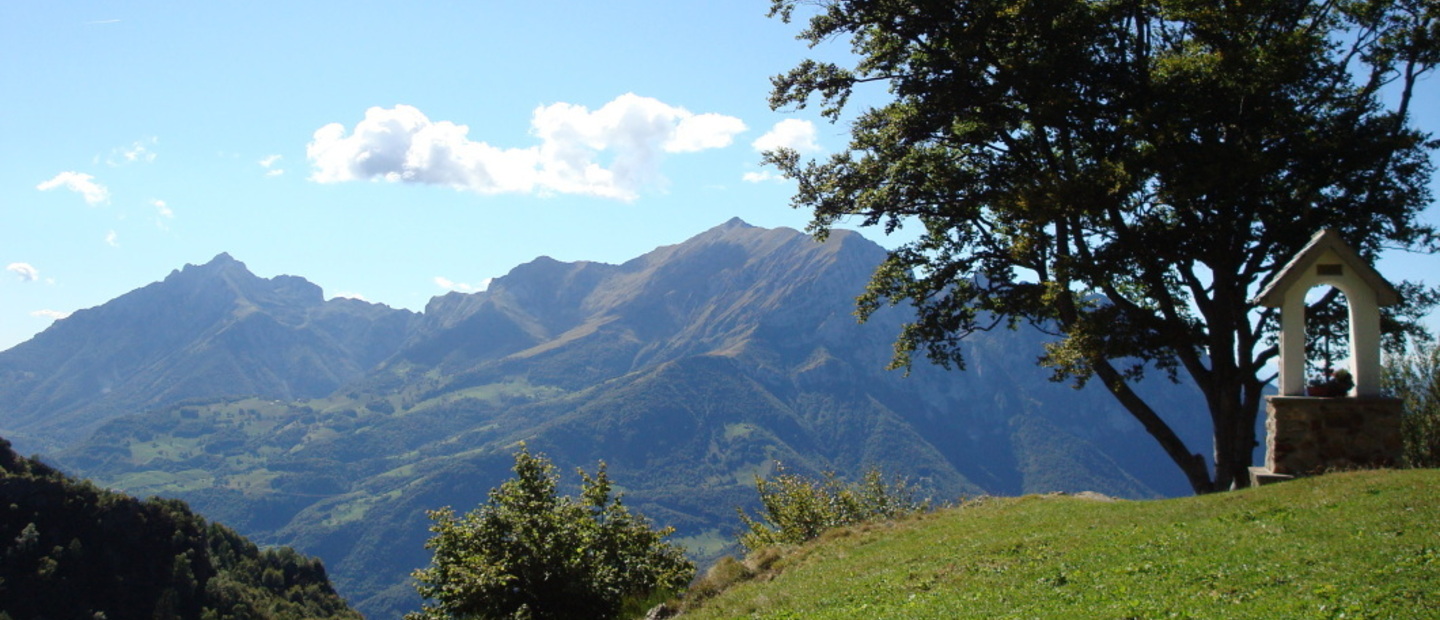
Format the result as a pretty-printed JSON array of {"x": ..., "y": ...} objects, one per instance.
[{"x": 333, "y": 425}]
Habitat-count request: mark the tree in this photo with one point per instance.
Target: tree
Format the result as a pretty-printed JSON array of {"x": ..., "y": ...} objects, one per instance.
[
  {"x": 1414, "y": 378},
  {"x": 530, "y": 553},
  {"x": 1124, "y": 174}
]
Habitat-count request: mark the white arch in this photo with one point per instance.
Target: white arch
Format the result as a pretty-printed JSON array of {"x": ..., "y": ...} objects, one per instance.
[{"x": 1364, "y": 313}]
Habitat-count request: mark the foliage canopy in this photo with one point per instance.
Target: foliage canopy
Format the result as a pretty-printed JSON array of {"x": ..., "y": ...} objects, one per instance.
[
  {"x": 1123, "y": 173},
  {"x": 531, "y": 553}
]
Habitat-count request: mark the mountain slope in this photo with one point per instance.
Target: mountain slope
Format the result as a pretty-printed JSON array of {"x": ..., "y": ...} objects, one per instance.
[
  {"x": 204, "y": 332},
  {"x": 690, "y": 370},
  {"x": 709, "y": 294}
]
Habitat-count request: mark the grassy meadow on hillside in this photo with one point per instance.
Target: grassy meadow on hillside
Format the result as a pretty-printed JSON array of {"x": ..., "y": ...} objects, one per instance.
[{"x": 1349, "y": 545}]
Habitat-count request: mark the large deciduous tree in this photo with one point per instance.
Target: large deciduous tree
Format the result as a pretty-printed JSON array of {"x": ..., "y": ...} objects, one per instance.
[{"x": 1123, "y": 173}]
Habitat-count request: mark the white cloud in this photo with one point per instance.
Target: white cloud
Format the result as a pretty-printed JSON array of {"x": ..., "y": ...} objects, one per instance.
[
  {"x": 138, "y": 151},
  {"x": 80, "y": 183},
  {"x": 704, "y": 131},
  {"x": 268, "y": 163},
  {"x": 462, "y": 287},
  {"x": 50, "y": 314},
  {"x": 401, "y": 144},
  {"x": 790, "y": 133},
  {"x": 349, "y": 295},
  {"x": 612, "y": 152},
  {"x": 762, "y": 176},
  {"x": 26, "y": 271},
  {"x": 162, "y": 213},
  {"x": 112, "y": 239}
]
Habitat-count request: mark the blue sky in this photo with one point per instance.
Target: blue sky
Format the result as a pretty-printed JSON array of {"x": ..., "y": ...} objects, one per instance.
[
  {"x": 615, "y": 126},
  {"x": 142, "y": 136}
]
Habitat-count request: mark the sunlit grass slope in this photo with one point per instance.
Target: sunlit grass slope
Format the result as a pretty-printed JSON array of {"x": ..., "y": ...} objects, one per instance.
[{"x": 1352, "y": 545}]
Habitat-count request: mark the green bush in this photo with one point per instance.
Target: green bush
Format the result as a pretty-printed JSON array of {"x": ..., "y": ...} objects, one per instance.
[
  {"x": 529, "y": 553},
  {"x": 798, "y": 509},
  {"x": 1414, "y": 378}
]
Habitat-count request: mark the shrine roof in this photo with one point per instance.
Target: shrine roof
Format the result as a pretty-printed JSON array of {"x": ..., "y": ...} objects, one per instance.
[{"x": 1273, "y": 295}]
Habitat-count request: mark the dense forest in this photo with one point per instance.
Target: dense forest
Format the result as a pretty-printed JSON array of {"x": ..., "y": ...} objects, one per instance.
[{"x": 69, "y": 549}]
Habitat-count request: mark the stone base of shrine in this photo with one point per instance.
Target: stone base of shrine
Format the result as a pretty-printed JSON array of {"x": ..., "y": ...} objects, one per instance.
[
  {"x": 1260, "y": 475},
  {"x": 1308, "y": 435}
]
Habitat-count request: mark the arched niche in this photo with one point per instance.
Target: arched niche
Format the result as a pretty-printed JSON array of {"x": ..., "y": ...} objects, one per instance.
[
  {"x": 1327, "y": 333},
  {"x": 1327, "y": 260}
]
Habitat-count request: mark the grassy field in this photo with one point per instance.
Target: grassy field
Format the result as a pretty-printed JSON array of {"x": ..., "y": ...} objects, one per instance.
[{"x": 1352, "y": 545}]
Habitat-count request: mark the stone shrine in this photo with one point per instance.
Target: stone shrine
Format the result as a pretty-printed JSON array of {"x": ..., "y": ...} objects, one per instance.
[{"x": 1359, "y": 427}]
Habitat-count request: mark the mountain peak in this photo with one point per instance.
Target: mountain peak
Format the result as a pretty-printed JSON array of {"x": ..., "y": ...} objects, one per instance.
[
  {"x": 222, "y": 260},
  {"x": 222, "y": 263},
  {"x": 738, "y": 230},
  {"x": 734, "y": 222}
]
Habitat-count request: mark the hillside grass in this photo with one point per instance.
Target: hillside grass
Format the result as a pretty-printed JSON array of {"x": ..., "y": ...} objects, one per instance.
[{"x": 1349, "y": 545}]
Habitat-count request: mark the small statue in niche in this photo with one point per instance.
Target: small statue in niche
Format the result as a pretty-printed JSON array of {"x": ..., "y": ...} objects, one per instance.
[{"x": 1331, "y": 385}]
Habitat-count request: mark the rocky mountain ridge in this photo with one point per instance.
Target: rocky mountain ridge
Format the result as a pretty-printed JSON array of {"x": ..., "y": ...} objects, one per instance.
[{"x": 204, "y": 331}]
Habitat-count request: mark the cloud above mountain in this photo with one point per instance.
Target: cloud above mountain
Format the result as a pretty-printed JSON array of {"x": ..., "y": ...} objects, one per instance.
[
  {"x": 611, "y": 152},
  {"x": 461, "y": 287},
  {"x": 25, "y": 271},
  {"x": 269, "y": 163},
  {"x": 80, "y": 183},
  {"x": 137, "y": 152},
  {"x": 791, "y": 133},
  {"x": 50, "y": 314}
]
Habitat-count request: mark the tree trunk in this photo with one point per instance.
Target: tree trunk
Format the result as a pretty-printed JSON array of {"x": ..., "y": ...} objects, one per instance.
[{"x": 1193, "y": 465}]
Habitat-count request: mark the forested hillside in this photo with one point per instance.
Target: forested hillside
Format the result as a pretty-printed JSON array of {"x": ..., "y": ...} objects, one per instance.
[{"x": 73, "y": 550}]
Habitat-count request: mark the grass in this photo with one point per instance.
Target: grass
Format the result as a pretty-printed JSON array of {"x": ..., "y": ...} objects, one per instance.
[
  {"x": 1352, "y": 545},
  {"x": 354, "y": 508},
  {"x": 162, "y": 483},
  {"x": 492, "y": 393}
]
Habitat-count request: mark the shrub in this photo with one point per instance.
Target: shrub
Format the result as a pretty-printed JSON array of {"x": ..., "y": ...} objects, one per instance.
[
  {"x": 529, "y": 553},
  {"x": 798, "y": 509}
]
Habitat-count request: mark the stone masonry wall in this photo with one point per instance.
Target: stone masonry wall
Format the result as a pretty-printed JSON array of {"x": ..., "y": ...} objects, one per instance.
[{"x": 1307, "y": 435}]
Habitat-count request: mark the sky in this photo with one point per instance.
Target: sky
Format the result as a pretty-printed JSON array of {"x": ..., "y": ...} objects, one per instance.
[{"x": 385, "y": 151}]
